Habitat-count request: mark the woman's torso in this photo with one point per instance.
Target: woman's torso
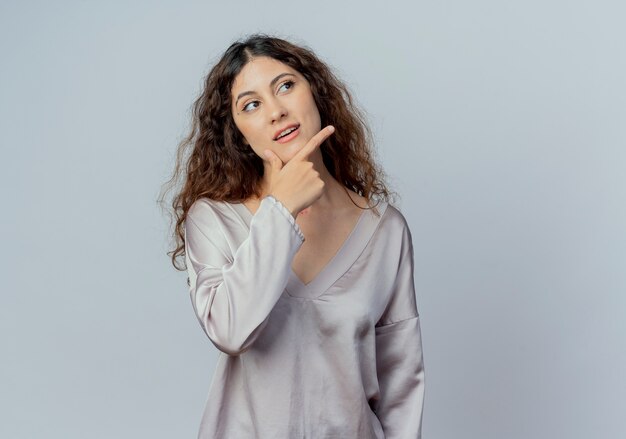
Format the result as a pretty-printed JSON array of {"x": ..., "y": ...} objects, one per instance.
[{"x": 325, "y": 233}]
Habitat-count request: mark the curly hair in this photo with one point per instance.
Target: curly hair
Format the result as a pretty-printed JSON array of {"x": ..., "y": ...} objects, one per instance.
[{"x": 214, "y": 162}]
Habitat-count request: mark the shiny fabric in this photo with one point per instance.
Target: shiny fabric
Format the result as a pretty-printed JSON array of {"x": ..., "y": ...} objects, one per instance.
[{"x": 339, "y": 357}]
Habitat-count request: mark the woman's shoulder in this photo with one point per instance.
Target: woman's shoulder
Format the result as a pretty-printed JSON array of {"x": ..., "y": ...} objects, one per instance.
[
  {"x": 394, "y": 225},
  {"x": 395, "y": 215},
  {"x": 206, "y": 211},
  {"x": 392, "y": 215}
]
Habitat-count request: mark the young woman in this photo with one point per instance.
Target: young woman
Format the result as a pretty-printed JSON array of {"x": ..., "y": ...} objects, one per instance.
[{"x": 296, "y": 275}]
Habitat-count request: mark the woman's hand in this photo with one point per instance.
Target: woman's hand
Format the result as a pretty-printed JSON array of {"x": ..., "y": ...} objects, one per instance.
[{"x": 297, "y": 184}]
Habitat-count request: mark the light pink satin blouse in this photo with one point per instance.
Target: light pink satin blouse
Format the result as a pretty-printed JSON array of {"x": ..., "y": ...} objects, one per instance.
[{"x": 339, "y": 357}]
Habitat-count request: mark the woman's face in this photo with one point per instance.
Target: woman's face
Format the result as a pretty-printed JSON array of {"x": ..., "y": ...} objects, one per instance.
[{"x": 267, "y": 97}]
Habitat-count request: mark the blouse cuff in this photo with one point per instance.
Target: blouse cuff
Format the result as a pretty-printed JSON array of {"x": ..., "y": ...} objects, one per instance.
[{"x": 285, "y": 212}]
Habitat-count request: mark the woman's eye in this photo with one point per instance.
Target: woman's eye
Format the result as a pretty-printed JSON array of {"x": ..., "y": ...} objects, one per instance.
[
  {"x": 246, "y": 106},
  {"x": 285, "y": 83},
  {"x": 289, "y": 83}
]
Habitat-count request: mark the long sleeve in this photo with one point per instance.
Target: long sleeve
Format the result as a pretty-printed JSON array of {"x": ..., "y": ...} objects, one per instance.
[
  {"x": 233, "y": 296},
  {"x": 399, "y": 358}
]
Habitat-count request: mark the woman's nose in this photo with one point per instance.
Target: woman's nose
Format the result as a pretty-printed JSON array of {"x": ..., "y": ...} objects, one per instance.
[{"x": 277, "y": 110}]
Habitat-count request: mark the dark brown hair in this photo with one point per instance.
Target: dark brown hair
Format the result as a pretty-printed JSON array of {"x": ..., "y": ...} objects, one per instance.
[{"x": 214, "y": 162}]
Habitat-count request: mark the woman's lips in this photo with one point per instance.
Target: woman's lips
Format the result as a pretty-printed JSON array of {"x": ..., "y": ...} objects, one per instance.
[{"x": 289, "y": 136}]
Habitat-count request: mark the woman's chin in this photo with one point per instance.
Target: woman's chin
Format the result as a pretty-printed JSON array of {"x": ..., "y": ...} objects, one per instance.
[{"x": 292, "y": 149}]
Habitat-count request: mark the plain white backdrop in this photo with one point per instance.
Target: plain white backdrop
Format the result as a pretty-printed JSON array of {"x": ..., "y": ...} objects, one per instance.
[{"x": 501, "y": 124}]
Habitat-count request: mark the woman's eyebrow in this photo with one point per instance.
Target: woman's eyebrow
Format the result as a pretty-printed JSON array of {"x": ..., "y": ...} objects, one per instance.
[{"x": 272, "y": 82}]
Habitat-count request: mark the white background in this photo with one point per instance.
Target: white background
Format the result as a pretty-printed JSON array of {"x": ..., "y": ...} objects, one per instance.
[{"x": 501, "y": 124}]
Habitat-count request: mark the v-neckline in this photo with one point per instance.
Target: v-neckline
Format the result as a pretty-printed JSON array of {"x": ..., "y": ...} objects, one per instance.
[{"x": 338, "y": 265}]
